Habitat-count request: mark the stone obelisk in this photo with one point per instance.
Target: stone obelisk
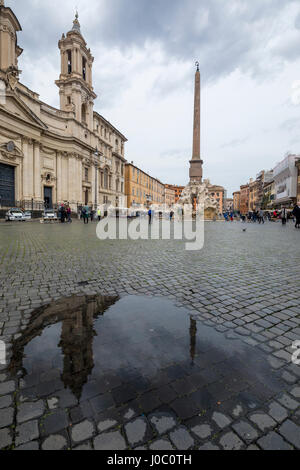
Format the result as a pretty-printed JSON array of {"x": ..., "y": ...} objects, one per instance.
[{"x": 196, "y": 162}]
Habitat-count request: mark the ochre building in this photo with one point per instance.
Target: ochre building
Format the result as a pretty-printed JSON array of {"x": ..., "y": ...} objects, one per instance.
[
  {"x": 236, "y": 201},
  {"x": 177, "y": 190},
  {"x": 48, "y": 155},
  {"x": 142, "y": 189},
  {"x": 244, "y": 199}
]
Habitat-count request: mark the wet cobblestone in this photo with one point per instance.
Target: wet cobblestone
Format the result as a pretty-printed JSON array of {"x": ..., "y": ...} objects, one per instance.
[{"x": 244, "y": 285}]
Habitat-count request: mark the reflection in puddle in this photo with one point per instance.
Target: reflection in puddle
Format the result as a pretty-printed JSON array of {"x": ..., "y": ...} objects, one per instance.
[
  {"x": 73, "y": 319},
  {"x": 123, "y": 347}
]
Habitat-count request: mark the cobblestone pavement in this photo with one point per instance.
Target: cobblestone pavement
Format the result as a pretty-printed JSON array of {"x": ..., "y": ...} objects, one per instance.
[{"x": 242, "y": 285}]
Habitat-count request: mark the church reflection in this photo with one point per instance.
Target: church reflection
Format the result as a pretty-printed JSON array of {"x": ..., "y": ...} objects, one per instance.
[{"x": 77, "y": 315}]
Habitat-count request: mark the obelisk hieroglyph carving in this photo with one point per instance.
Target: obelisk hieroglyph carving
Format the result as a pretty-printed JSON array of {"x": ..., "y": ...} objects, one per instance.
[{"x": 196, "y": 162}]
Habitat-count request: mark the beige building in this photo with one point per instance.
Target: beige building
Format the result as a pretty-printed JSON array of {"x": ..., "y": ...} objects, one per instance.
[
  {"x": 236, "y": 201},
  {"x": 49, "y": 155},
  {"x": 217, "y": 193},
  {"x": 169, "y": 196}
]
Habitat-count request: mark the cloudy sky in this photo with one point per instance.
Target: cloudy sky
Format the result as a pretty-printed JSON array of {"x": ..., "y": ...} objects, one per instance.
[{"x": 145, "y": 52}]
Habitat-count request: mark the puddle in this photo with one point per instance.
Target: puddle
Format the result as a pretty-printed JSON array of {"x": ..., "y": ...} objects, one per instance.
[{"x": 123, "y": 347}]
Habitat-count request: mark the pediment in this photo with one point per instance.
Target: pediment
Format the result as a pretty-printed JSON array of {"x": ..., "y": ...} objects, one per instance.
[{"x": 15, "y": 106}]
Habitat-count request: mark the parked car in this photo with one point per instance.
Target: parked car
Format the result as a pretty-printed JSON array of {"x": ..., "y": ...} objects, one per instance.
[
  {"x": 27, "y": 215},
  {"x": 50, "y": 214},
  {"x": 14, "y": 214}
]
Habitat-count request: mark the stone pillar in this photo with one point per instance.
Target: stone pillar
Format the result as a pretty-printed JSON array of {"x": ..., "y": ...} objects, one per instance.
[
  {"x": 196, "y": 133},
  {"x": 93, "y": 179},
  {"x": 58, "y": 178},
  {"x": 28, "y": 187},
  {"x": 37, "y": 171},
  {"x": 196, "y": 162}
]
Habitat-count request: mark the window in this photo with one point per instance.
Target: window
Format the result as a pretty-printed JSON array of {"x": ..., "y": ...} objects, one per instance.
[
  {"x": 84, "y": 68},
  {"x": 83, "y": 113},
  {"x": 69, "y": 99},
  {"x": 122, "y": 187},
  {"x": 86, "y": 174},
  {"x": 106, "y": 178},
  {"x": 69, "y": 54}
]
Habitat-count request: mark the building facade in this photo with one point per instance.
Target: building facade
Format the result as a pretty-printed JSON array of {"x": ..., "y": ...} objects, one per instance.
[
  {"x": 237, "y": 201},
  {"x": 217, "y": 193},
  {"x": 228, "y": 204},
  {"x": 177, "y": 190},
  {"x": 169, "y": 196},
  {"x": 142, "y": 189},
  {"x": 286, "y": 182},
  {"x": 244, "y": 199},
  {"x": 47, "y": 155}
]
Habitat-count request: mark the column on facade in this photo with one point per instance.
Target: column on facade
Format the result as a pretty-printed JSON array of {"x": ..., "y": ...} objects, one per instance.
[
  {"x": 80, "y": 195},
  {"x": 28, "y": 189},
  {"x": 62, "y": 62},
  {"x": 72, "y": 179},
  {"x": 93, "y": 181},
  {"x": 58, "y": 178},
  {"x": 74, "y": 60},
  {"x": 37, "y": 171},
  {"x": 23, "y": 186}
]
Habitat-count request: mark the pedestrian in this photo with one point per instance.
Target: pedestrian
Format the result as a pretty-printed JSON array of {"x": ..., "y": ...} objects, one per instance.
[
  {"x": 150, "y": 215},
  {"x": 283, "y": 216},
  {"x": 69, "y": 213},
  {"x": 296, "y": 214},
  {"x": 261, "y": 216},
  {"x": 85, "y": 214},
  {"x": 63, "y": 214},
  {"x": 99, "y": 214}
]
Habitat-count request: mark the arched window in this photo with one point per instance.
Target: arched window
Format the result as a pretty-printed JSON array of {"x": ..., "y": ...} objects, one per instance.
[
  {"x": 69, "y": 56},
  {"x": 106, "y": 178},
  {"x": 83, "y": 112},
  {"x": 84, "y": 68}
]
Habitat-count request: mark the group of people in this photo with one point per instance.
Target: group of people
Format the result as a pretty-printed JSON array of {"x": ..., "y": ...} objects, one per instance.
[
  {"x": 65, "y": 214},
  {"x": 86, "y": 214},
  {"x": 284, "y": 215}
]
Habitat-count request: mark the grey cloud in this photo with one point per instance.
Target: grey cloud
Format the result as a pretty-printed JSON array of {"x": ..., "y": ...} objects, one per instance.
[
  {"x": 290, "y": 124},
  {"x": 222, "y": 35},
  {"x": 235, "y": 142},
  {"x": 175, "y": 154}
]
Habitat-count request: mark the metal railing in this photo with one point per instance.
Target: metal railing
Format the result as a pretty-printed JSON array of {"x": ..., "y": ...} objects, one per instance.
[{"x": 29, "y": 205}]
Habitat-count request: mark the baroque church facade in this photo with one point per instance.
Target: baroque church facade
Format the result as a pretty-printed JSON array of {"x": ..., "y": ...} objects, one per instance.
[{"x": 50, "y": 156}]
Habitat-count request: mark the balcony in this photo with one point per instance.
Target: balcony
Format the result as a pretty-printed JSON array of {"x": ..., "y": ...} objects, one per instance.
[{"x": 86, "y": 184}]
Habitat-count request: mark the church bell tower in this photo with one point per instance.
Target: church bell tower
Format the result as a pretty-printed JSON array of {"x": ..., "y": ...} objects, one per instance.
[
  {"x": 9, "y": 49},
  {"x": 75, "y": 81}
]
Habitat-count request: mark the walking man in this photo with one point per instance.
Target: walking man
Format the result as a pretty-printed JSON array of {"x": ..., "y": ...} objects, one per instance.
[{"x": 296, "y": 214}]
